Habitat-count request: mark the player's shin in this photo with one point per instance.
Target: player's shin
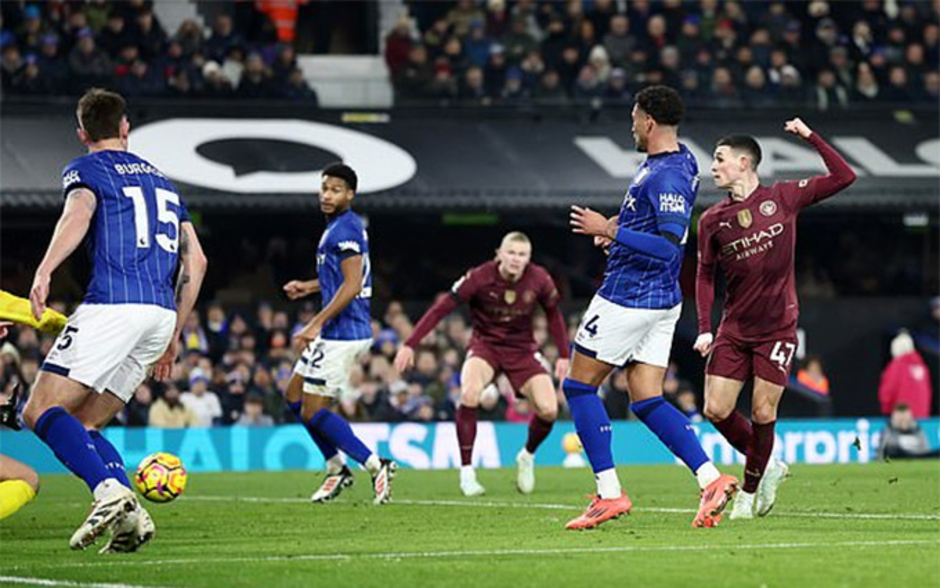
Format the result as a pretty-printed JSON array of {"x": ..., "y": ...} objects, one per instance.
[
  {"x": 675, "y": 431},
  {"x": 72, "y": 445},
  {"x": 337, "y": 432},
  {"x": 594, "y": 430},
  {"x": 110, "y": 456},
  {"x": 334, "y": 461},
  {"x": 758, "y": 454},
  {"x": 737, "y": 430},
  {"x": 539, "y": 429},
  {"x": 466, "y": 423}
]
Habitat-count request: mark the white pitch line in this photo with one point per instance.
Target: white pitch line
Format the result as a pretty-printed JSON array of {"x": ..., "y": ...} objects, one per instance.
[
  {"x": 471, "y": 553},
  {"x": 493, "y": 504},
  {"x": 69, "y": 583}
]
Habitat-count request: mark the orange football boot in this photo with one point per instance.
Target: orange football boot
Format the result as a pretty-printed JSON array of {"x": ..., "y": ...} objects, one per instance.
[
  {"x": 601, "y": 510},
  {"x": 714, "y": 500}
]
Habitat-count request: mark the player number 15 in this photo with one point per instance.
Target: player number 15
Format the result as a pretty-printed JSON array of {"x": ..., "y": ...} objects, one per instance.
[{"x": 164, "y": 215}]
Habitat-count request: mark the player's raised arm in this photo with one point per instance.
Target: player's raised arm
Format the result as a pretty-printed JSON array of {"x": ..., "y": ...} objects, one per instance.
[
  {"x": 80, "y": 205},
  {"x": 705, "y": 286},
  {"x": 192, "y": 270},
  {"x": 445, "y": 304},
  {"x": 817, "y": 188},
  {"x": 352, "y": 269}
]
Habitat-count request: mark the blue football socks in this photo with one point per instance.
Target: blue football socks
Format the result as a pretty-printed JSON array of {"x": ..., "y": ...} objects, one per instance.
[
  {"x": 328, "y": 450},
  {"x": 72, "y": 444},
  {"x": 672, "y": 428},
  {"x": 338, "y": 433},
  {"x": 110, "y": 456},
  {"x": 591, "y": 422}
]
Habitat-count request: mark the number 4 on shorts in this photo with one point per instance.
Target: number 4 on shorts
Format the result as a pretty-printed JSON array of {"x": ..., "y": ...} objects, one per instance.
[{"x": 591, "y": 325}]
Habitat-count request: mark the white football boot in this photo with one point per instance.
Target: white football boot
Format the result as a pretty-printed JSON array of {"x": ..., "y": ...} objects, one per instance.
[
  {"x": 468, "y": 482},
  {"x": 743, "y": 507},
  {"x": 332, "y": 485},
  {"x": 382, "y": 481},
  {"x": 105, "y": 513},
  {"x": 132, "y": 533},
  {"x": 525, "y": 475},
  {"x": 776, "y": 472}
]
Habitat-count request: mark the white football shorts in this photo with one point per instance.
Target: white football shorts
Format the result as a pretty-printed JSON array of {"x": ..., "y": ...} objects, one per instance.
[
  {"x": 618, "y": 335},
  {"x": 325, "y": 366},
  {"x": 111, "y": 347}
]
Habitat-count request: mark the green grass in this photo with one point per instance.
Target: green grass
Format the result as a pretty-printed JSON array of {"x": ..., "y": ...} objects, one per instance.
[{"x": 817, "y": 536}]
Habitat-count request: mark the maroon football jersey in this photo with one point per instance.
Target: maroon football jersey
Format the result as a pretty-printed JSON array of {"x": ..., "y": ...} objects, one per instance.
[
  {"x": 501, "y": 311},
  {"x": 753, "y": 241}
]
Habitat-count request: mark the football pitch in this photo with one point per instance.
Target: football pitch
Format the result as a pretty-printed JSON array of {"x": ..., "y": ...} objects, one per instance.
[{"x": 845, "y": 525}]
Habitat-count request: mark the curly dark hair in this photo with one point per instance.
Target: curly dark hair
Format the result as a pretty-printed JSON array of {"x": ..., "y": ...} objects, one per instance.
[
  {"x": 662, "y": 103},
  {"x": 343, "y": 172}
]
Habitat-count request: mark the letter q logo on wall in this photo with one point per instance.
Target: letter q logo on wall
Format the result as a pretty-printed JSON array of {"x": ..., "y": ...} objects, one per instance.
[{"x": 172, "y": 145}]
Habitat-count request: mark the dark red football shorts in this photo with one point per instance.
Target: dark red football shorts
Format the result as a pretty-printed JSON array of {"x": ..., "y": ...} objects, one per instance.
[
  {"x": 739, "y": 360},
  {"x": 519, "y": 366}
]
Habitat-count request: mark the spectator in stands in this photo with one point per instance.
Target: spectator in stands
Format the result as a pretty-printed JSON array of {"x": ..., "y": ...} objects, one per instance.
[
  {"x": 88, "y": 64},
  {"x": 866, "y": 85},
  {"x": 115, "y": 35},
  {"x": 618, "y": 42},
  {"x": 828, "y": 93},
  {"x": 149, "y": 34},
  {"x": 223, "y": 39},
  {"x": 898, "y": 89},
  {"x": 52, "y": 65},
  {"x": 903, "y": 437},
  {"x": 473, "y": 90},
  {"x": 477, "y": 45},
  {"x": 414, "y": 77},
  {"x": 906, "y": 379},
  {"x": 216, "y": 85},
  {"x": 255, "y": 80},
  {"x": 138, "y": 409},
  {"x": 518, "y": 42},
  {"x": 398, "y": 46},
  {"x": 813, "y": 377},
  {"x": 463, "y": 15},
  {"x": 756, "y": 94},
  {"x": 296, "y": 88},
  {"x": 254, "y": 416},
  {"x": 930, "y": 93},
  {"x": 550, "y": 90},
  {"x": 617, "y": 91},
  {"x": 201, "y": 401},
  {"x": 168, "y": 412},
  {"x": 443, "y": 86}
]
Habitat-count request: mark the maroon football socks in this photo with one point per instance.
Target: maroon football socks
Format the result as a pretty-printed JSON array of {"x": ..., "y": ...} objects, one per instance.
[
  {"x": 538, "y": 431},
  {"x": 466, "y": 432}
]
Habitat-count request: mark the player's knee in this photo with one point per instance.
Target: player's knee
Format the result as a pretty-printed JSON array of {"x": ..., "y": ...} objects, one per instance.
[
  {"x": 763, "y": 414},
  {"x": 470, "y": 396},
  {"x": 716, "y": 412},
  {"x": 31, "y": 478},
  {"x": 32, "y": 411},
  {"x": 547, "y": 413}
]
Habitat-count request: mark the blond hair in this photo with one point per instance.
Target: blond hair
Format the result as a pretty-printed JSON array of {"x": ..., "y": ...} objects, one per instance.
[{"x": 515, "y": 237}]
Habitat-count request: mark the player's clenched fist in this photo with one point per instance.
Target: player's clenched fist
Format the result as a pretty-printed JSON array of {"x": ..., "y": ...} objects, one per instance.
[
  {"x": 404, "y": 359},
  {"x": 703, "y": 344},
  {"x": 298, "y": 288},
  {"x": 798, "y": 127}
]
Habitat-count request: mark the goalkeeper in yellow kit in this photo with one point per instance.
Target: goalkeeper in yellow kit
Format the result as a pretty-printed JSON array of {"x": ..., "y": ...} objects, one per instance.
[{"x": 19, "y": 483}]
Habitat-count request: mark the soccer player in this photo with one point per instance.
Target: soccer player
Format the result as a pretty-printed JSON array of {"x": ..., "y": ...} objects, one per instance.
[
  {"x": 632, "y": 317},
  {"x": 502, "y": 296},
  {"x": 19, "y": 483},
  {"x": 333, "y": 339},
  {"x": 751, "y": 235},
  {"x": 138, "y": 235}
]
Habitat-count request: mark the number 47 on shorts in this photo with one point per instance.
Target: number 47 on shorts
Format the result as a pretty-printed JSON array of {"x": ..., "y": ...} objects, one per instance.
[{"x": 782, "y": 353}]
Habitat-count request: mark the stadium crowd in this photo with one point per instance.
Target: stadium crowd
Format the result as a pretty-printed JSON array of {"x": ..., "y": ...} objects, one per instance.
[
  {"x": 726, "y": 54},
  {"x": 62, "y": 47},
  {"x": 235, "y": 366}
]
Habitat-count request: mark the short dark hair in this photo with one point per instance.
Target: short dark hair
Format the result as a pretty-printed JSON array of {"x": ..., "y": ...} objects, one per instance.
[
  {"x": 745, "y": 143},
  {"x": 100, "y": 113},
  {"x": 343, "y": 172},
  {"x": 662, "y": 103}
]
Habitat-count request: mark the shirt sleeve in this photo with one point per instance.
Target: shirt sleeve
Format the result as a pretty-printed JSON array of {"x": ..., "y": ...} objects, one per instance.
[
  {"x": 705, "y": 275},
  {"x": 76, "y": 176},
  {"x": 549, "y": 299},
  {"x": 797, "y": 195},
  {"x": 347, "y": 242},
  {"x": 671, "y": 195},
  {"x": 184, "y": 213},
  {"x": 464, "y": 288}
]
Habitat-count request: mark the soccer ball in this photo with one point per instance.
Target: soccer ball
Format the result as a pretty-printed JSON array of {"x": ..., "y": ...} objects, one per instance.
[
  {"x": 161, "y": 477},
  {"x": 571, "y": 443}
]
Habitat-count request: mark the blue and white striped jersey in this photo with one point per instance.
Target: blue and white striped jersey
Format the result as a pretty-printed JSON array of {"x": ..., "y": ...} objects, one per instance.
[
  {"x": 345, "y": 236},
  {"x": 133, "y": 240},
  {"x": 659, "y": 200}
]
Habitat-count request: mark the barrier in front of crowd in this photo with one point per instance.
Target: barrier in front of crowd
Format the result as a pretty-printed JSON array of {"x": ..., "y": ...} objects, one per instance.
[{"x": 434, "y": 446}]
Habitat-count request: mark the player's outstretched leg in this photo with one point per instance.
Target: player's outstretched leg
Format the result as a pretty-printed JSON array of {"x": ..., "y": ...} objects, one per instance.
[
  {"x": 19, "y": 485},
  {"x": 74, "y": 447},
  {"x": 594, "y": 430},
  {"x": 541, "y": 394},
  {"x": 337, "y": 476},
  {"x": 759, "y": 459},
  {"x": 337, "y": 431},
  {"x": 476, "y": 373}
]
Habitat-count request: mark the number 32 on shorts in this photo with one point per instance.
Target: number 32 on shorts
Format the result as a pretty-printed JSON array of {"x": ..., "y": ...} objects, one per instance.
[{"x": 782, "y": 353}]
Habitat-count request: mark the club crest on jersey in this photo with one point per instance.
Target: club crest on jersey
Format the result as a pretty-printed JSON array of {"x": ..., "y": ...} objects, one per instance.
[
  {"x": 745, "y": 219},
  {"x": 768, "y": 208},
  {"x": 670, "y": 202},
  {"x": 70, "y": 178},
  {"x": 509, "y": 296}
]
